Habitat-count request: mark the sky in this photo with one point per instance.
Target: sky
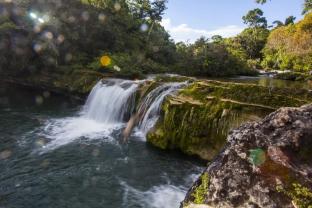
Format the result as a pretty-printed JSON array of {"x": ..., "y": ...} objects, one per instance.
[{"x": 187, "y": 20}]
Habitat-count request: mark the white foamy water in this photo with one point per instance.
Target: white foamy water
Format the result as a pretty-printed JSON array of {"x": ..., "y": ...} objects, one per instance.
[
  {"x": 64, "y": 131},
  {"x": 109, "y": 102},
  {"x": 109, "y": 105},
  {"x": 106, "y": 107},
  {"x": 151, "y": 105},
  {"x": 163, "y": 196}
]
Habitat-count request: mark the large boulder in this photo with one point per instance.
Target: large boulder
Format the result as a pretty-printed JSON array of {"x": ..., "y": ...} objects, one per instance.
[{"x": 263, "y": 164}]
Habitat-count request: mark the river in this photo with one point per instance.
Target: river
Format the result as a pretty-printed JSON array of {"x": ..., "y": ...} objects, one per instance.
[
  {"x": 58, "y": 152},
  {"x": 50, "y": 156}
]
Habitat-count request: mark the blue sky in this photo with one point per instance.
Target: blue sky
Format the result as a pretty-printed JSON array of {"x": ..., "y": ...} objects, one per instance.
[{"x": 187, "y": 20}]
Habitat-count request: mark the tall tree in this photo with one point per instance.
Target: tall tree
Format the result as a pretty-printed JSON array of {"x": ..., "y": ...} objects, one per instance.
[{"x": 254, "y": 18}]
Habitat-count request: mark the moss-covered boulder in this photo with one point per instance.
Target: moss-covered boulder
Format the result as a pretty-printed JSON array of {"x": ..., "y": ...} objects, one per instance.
[{"x": 198, "y": 119}]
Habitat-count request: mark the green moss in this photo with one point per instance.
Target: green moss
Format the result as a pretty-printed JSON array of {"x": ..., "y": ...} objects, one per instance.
[
  {"x": 198, "y": 119},
  {"x": 198, "y": 128},
  {"x": 158, "y": 139},
  {"x": 201, "y": 191},
  {"x": 300, "y": 195},
  {"x": 249, "y": 93},
  {"x": 78, "y": 81},
  {"x": 166, "y": 78}
]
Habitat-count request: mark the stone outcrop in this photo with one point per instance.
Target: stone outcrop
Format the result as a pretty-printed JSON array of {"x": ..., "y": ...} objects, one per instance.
[
  {"x": 264, "y": 164},
  {"x": 198, "y": 119}
]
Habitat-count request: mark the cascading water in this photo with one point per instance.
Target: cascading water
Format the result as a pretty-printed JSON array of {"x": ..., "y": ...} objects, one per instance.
[
  {"x": 150, "y": 106},
  {"x": 110, "y": 104},
  {"x": 110, "y": 101}
]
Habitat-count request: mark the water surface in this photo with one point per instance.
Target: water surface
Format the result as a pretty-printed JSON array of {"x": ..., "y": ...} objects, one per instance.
[{"x": 51, "y": 156}]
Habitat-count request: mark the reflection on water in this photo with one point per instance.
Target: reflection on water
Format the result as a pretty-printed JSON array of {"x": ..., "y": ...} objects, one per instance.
[{"x": 266, "y": 81}]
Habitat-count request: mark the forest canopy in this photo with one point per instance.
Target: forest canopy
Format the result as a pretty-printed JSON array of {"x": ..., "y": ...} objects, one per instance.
[{"x": 58, "y": 36}]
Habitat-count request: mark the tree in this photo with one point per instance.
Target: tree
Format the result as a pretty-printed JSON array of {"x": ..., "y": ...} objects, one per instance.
[
  {"x": 151, "y": 11},
  {"x": 278, "y": 23},
  {"x": 253, "y": 40},
  {"x": 254, "y": 18},
  {"x": 217, "y": 38},
  {"x": 289, "y": 20},
  {"x": 290, "y": 47},
  {"x": 155, "y": 13},
  {"x": 307, "y": 6},
  {"x": 261, "y": 1}
]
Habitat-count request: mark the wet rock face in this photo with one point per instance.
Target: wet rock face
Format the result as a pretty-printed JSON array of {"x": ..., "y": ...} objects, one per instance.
[{"x": 264, "y": 164}]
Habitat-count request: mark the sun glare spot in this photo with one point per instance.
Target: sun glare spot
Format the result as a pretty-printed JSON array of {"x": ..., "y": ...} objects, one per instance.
[
  {"x": 41, "y": 20},
  {"x": 144, "y": 27},
  {"x": 117, "y": 68},
  {"x": 105, "y": 60},
  {"x": 102, "y": 17},
  {"x": 117, "y": 7},
  {"x": 33, "y": 15}
]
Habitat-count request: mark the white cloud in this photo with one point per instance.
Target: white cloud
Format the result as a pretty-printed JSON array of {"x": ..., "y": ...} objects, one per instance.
[{"x": 185, "y": 33}]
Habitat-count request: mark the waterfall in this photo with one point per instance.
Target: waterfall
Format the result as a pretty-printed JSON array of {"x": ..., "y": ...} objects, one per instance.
[
  {"x": 111, "y": 101},
  {"x": 150, "y": 107},
  {"x": 110, "y": 104}
]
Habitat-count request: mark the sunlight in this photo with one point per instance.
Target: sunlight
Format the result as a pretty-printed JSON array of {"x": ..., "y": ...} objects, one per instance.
[
  {"x": 105, "y": 60},
  {"x": 40, "y": 20}
]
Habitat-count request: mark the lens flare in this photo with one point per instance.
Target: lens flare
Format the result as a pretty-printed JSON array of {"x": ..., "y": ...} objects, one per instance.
[
  {"x": 117, "y": 7},
  {"x": 105, "y": 61},
  {"x": 33, "y": 15},
  {"x": 257, "y": 156}
]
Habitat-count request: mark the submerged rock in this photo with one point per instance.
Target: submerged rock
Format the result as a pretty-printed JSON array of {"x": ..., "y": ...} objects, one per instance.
[{"x": 264, "y": 164}]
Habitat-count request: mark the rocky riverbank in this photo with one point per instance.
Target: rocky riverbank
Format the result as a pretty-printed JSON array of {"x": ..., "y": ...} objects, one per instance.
[{"x": 264, "y": 164}]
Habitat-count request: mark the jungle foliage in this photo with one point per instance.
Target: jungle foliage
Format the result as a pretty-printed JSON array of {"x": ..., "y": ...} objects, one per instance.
[{"x": 56, "y": 35}]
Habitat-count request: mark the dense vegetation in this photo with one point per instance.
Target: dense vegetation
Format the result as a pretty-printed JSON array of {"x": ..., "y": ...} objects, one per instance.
[
  {"x": 290, "y": 46},
  {"x": 125, "y": 38},
  {"x": 73, "y": 34}
]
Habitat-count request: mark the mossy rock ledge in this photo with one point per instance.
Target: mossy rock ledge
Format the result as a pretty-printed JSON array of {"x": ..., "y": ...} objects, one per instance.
[
  {"x": 263, "y": 164},
  {"x": 198, "y": 119}
]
